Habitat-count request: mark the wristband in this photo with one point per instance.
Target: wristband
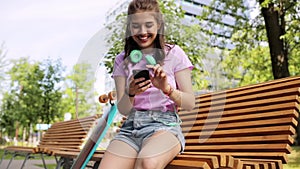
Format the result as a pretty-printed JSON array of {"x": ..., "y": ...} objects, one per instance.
[
  {"x": 170, "y": 91},
  {"x": 130, "y": 95}
]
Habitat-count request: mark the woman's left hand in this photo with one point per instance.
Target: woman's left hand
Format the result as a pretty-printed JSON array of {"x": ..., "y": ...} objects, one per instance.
[{"x": 159, "y": 77}]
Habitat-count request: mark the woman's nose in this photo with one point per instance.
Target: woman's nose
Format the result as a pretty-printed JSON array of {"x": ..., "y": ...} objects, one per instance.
[{"x": 143, "y": 30}]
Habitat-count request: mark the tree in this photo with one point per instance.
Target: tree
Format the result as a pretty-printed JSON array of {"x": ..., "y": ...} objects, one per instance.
[
  {"x": 4, "y": 63},
  {"x": 79, "y": 96},
  {"x": 266, "y": 41},
  {"x": 187, "y": 36},
  {"x": 51, "y": 87},
  {"x": 33, "y": 96}
]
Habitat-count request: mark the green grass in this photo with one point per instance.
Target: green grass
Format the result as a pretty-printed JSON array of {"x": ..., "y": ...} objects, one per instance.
[
  {"x": 294, "y": 159},
  {"x": 49, "y": 166},
  {"x": 37, "y": 156}
]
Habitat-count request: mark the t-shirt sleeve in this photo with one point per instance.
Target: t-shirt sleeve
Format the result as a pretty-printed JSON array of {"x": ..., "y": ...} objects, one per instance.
[
  {"x": 181, "y": 59},
  {"x": 119, "y": 65}
]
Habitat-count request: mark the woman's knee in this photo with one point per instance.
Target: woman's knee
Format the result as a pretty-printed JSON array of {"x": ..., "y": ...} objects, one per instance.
[{"x": 148, "y": 163}]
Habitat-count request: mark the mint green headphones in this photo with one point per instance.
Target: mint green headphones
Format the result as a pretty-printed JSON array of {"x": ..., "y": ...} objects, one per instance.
[{"x": 137, "y": 55}]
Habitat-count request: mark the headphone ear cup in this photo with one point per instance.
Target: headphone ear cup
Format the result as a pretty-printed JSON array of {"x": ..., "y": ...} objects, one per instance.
[
  {"x": 135, "y": 56},
  {"x": 150, "y": 60}
]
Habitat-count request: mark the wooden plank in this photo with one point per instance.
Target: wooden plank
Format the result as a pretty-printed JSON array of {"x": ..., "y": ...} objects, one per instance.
[
  {"x": 203, "y": 126},
  {"x": 272, "y": 164},
  {"x": 187, "y": 164},
  {"x": 286, "y": 129},
  {"x": 20, "y": 149},
  {"x": 65, "y": 134},
  {"x": 241, "y": 148},
  {"x": 224, "y": 160},
  {"x": 262, "y": 95},
  {"x": 242, "y": 140},
  {"x": 203, "y": 111},
  {"x": 240, "y": 122},
  {"x": 280, "y": 156},
  {"x": 212, "y": 161},
  {"x": 271, "y": 85}
]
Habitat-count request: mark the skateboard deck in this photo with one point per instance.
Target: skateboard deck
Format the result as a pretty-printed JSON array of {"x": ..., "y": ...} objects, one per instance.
[{"x": 98, "y": 132}]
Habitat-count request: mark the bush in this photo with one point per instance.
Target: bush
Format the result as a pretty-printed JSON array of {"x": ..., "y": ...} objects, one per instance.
[{"x": 2, "y": 141}]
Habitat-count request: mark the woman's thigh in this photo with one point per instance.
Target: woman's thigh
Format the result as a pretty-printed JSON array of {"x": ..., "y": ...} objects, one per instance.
[
  {"x": 118, "y": 155},
  {"x": 158, "y": 150}
]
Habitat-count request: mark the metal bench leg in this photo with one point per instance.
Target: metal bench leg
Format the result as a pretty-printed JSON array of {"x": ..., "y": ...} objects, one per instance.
[
  {"x": 96, "y": 165},
  {"x": 44, "y": 163},
  {"x": 12, "y": 158},
  {"x": 56, "y": 159},
  {"x": 27, "y": 156},
  {"x": 60, "y": 162},
  {"x": 4, "y": 154}
]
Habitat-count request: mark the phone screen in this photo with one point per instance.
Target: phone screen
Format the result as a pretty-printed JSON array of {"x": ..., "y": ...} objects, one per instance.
[{"x": 141, "y": 73}]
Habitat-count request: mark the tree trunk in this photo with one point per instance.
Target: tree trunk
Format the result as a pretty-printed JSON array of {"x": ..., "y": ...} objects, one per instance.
[{"x": 275, "y": 28}]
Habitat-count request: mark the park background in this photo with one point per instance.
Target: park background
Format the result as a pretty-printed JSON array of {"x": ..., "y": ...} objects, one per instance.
[{"x": 58, "y": 70}]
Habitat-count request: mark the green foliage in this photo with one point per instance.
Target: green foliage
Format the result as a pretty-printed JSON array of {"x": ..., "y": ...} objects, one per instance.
[
  {"x": 78, "y": 96},
  {"x": 52, "y": 94},
  {"x": 250, "y": 61},
  {"x": 4, "y": 63},
  {"x": 33, "y": 96},
  {"x": 254, "y": 66}
]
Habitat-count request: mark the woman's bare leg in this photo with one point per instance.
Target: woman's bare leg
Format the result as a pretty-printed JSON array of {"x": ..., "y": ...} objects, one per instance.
[
  {"x": 158, "y": 151},
  {"x": 118, "y": 155}
]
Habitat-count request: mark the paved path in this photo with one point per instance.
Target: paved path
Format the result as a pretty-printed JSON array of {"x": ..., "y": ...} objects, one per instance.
[{"x": 30, "y": 164}]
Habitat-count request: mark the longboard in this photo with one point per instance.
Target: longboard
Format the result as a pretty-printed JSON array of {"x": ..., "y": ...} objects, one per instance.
[{"x": 98, "y": 133}]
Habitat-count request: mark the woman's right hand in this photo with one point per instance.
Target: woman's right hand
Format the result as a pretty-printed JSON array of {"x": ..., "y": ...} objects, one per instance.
[{"x": 138, "y": 86}]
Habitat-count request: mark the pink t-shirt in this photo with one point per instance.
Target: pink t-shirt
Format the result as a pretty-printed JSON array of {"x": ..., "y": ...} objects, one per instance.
[{"x": 153, "y": 98}]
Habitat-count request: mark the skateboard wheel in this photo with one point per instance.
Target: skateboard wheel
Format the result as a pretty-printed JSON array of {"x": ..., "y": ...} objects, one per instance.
[
  {"x": 112, "y": 95},
  {"x": 103, "y": 98}
]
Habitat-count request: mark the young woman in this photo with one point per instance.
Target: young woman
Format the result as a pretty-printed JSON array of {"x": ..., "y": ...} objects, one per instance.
[{"x": 151, "y": 136}]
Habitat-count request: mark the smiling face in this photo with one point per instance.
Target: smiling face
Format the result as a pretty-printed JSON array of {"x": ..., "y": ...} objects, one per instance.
[{"x": 144, "y": 28}]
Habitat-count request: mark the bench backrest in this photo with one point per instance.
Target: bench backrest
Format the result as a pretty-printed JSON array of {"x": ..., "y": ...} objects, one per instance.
[
  {"x": 256, "y": 121},
  {"x": 68, "y": 134}
]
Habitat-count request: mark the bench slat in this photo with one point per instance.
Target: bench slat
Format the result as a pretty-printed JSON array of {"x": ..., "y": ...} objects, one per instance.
[
  {"x": 240, "y": 122},
  {"x": 247, "y": 139}
]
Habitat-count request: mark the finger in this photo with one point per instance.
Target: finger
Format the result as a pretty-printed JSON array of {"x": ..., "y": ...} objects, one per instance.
[
  {"x": 150, "y": 66},
  {"x": 145, "y": 86},
  {"x": 163, "y": 75},
  {"x": 144, "y": 83},
  {"x": 157, "y": 70},
  {"x": 136, "y": 81}
]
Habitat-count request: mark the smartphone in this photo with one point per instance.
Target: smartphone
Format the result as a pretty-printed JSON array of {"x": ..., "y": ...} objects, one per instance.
[{"x": 141, "y": 73}]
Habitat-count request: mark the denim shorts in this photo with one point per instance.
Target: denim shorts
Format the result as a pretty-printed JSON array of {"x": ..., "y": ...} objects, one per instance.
[{"x": 141, "y": 125}]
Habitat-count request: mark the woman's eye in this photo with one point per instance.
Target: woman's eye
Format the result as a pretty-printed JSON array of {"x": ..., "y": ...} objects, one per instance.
[
  {"x": 149, "y": 25},
  {"x": 135, "y": 26}
]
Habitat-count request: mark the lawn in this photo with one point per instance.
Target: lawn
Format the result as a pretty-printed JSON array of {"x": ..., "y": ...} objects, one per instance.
[
  {"x": 8, "y": 156},
  {"x": 294, "y": 159}
]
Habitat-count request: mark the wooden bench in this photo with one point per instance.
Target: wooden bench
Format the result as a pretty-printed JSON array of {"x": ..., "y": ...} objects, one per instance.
[
  {"x": 241, "y": 128},
  {"x": 67, "y": 135},
  {"x": 253, "y": 124}
]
